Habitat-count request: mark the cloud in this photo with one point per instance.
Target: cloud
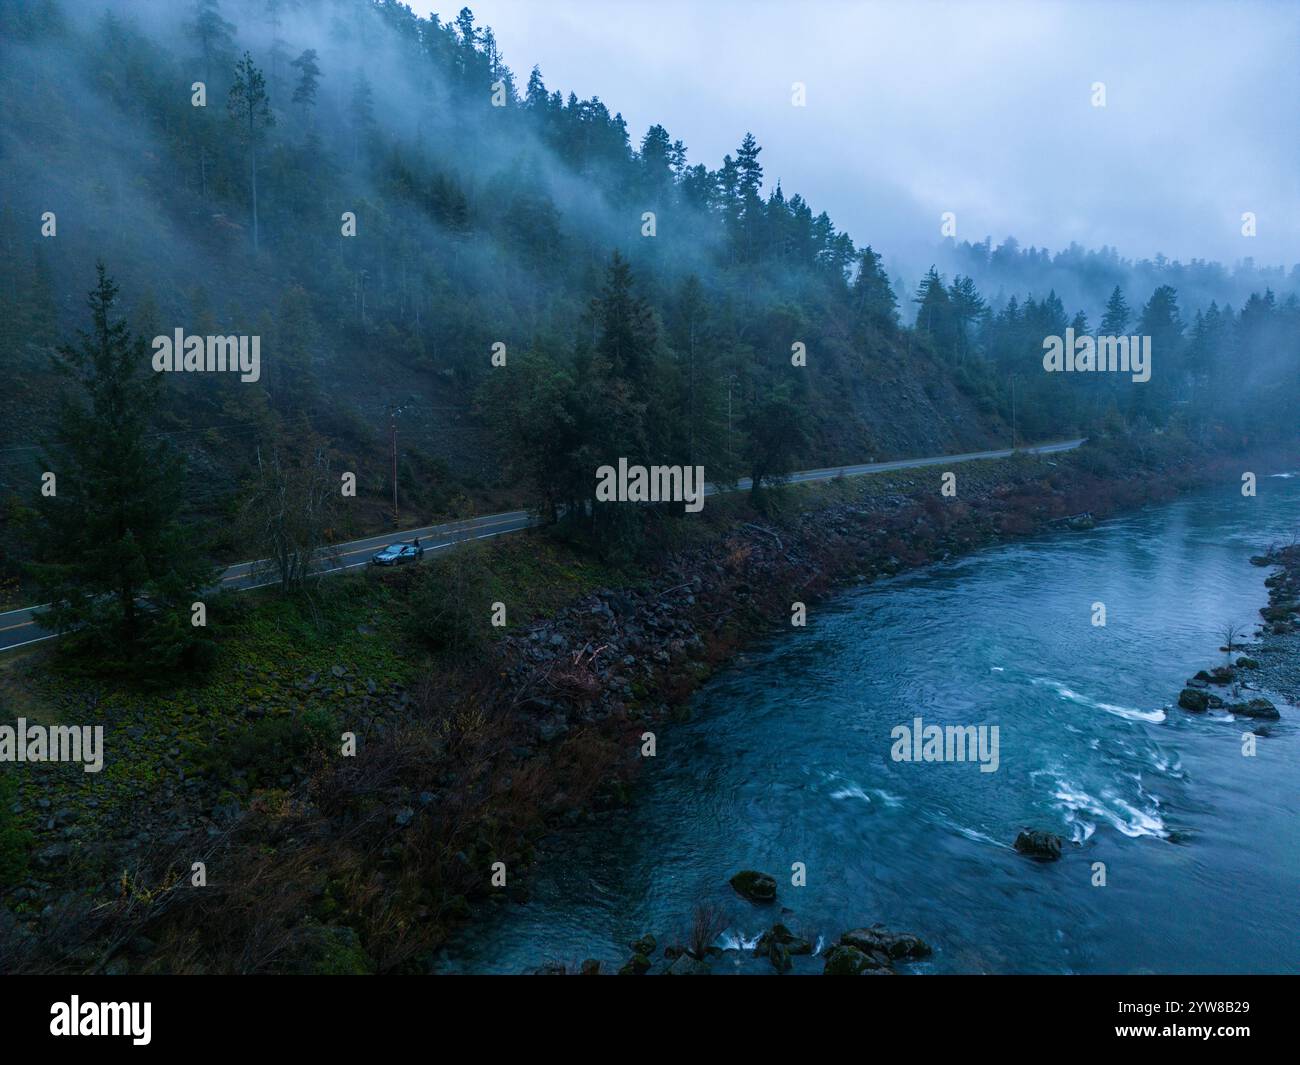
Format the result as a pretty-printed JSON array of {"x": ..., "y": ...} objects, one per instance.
[{"x": 980, "y": 109}]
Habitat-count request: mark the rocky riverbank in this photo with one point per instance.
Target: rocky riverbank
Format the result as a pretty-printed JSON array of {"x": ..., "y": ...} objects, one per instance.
[
  {"x": 1276, "y": 652},
  {"x": 367, "y": 863},
  {"x": 1270, "y": 664},
  {"x": 873, "y": 951}
]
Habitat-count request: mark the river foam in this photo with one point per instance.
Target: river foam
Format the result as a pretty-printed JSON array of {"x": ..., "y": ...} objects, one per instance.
[{"x": 1129, "y": 713}]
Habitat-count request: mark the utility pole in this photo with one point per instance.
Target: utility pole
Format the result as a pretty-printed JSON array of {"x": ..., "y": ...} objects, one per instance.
[
  {"x": 1013, "y": 412},
  {"x": 393, "y": 412},
  {"x": 731, "y": 380}
]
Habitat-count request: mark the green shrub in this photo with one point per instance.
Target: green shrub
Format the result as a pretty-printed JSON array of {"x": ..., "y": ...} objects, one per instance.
[
  {"x": 272, "y": 746},
  {"x": 450, "y": 604}
]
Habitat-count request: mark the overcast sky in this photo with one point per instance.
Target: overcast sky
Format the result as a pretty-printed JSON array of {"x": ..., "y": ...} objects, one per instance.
[{"x": 985, "y": 110}]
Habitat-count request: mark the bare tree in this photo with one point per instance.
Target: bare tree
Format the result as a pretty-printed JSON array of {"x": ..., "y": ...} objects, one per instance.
[
  {"x": 1231, "y": 634},
  {"x": 292, "y": 504},
  {"x": 707, "y": 923}
]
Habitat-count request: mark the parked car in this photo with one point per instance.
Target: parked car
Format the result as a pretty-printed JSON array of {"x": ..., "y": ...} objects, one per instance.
[{"x": 396, "y": 554}]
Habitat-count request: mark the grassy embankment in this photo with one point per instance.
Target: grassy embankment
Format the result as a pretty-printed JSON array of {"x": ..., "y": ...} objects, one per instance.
[{"x": 250, "y": 750}]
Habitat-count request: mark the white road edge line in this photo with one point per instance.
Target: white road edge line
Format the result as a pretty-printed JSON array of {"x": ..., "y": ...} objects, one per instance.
[{"x": 802, "y": 476}]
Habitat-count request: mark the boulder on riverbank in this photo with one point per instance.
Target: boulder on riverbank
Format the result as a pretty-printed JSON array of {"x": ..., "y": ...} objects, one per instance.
[
  {"x": 638, "y": 965},
  {"x": 1044, "y": 846},
  {"x": 1194, "y": 700},
  {"x": 645, "y": 945},
  {"x": 893, "y": 945},
  {"x": 1260, "y": 708},
  {"x": 780, "y": 935},
  {"x": 685, "y": 965},
  {"x": 754, "y": 886},
  {"x": 849, "y": 961}
]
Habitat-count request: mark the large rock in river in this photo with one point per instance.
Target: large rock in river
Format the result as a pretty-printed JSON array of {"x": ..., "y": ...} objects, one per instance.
[
  {"x": 1042, "y": 845},
  {"x": 755, "y": 886},
  {"x": 1191, "y": 699}
]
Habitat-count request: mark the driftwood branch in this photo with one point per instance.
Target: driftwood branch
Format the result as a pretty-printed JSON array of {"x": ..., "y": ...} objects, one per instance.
[{"x": 769, "y": 532}]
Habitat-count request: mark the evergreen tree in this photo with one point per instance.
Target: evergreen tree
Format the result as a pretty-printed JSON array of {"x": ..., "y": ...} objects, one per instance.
[
  {"x": 657, "y": 154},
  {"x": 304, "y": 93},
  {"x": 1117, "y": 316},
  {"x": 775, "y": 438},
  {"x": 214, "y": 35},
  {"x": 250, "y": 108},
  {"x": 934, "y": 316},
  {"x": 749, "y": 179},
  {"x": 628, "y": 333},
  {"x": 114, "y": 563},
  {"x": 1162, "y": 322},
  {"x": 363, "y": 115},
  {"x": 536, "y": 98},
  {"x": 535, "y": 413},
  {"x": 873, "y": 296},
  {"x": 966, "y": 305}
]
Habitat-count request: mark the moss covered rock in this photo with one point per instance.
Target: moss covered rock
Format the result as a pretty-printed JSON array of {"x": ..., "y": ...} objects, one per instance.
[
  {"x": 849, "y": 961},
  {"x": 755, "y": 886}
]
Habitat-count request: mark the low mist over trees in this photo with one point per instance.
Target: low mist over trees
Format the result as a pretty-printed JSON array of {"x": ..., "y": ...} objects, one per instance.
[{"x": 386, "y": 203}]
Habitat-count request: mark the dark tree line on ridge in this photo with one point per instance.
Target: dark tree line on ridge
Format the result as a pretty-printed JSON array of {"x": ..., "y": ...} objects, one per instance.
[{"x": 522, "y": 224}]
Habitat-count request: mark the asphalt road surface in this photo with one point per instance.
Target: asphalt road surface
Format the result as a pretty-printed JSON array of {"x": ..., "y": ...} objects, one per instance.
[{"x": 18, "y": 628}]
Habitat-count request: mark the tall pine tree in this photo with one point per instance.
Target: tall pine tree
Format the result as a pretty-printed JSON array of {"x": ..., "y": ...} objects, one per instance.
[{"x": 114, "y": 563}]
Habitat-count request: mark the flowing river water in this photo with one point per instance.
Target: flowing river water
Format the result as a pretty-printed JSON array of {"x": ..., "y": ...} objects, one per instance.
[{"x": 787, "y": 758}]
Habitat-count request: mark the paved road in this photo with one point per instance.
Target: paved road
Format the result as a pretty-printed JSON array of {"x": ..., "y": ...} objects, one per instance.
[{"x": 18, "y": 628}]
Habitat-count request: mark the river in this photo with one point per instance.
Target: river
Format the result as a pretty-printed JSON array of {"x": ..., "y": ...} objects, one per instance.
[{"x": 787, "y": 758}]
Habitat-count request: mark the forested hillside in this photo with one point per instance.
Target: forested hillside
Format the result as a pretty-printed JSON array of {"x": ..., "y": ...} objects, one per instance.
[
  {"x": 647, "y": 305},
  {"x": 331, "y": 645}
]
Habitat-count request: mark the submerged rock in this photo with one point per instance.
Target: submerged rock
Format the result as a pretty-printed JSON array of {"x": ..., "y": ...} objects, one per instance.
[
  {"x": 755, "y": 886},
  {"x": 1037, "y": 844}
]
